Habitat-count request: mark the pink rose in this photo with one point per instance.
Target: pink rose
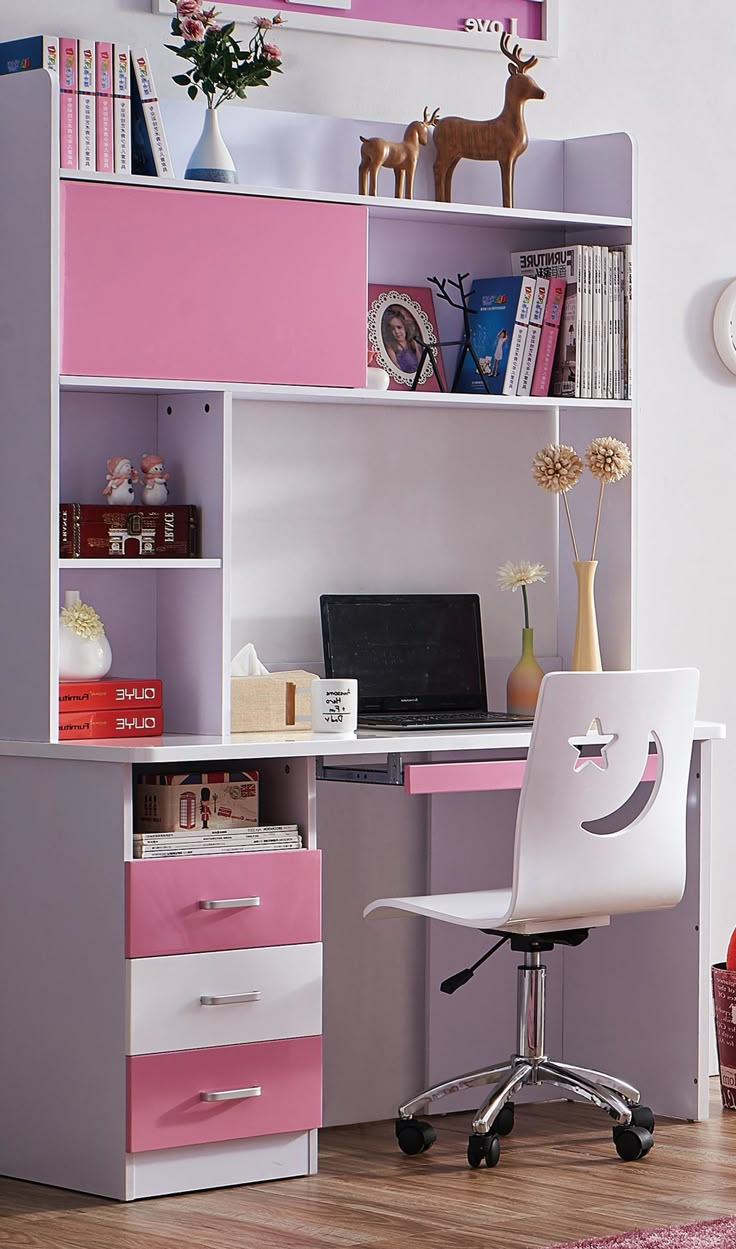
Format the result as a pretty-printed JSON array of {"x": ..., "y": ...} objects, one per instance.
[
  {"x": 208, "y": 17},
  {"x": 278, "y": 19},
  {"x": 187, "y": 8},
  {"x": 272, "y": 52},
  {"x": 192, "y": 29},
  {"x": 263, "y": 23}
]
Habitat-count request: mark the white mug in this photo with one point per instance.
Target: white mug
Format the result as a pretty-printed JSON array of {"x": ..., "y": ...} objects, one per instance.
[{"x": 334, "y": 705}]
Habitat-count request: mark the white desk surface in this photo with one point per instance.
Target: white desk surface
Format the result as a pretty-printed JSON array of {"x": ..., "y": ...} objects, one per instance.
[{"x": 172, "y": 748}]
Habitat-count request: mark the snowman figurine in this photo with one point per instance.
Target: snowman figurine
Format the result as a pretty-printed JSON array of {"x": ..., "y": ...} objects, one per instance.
[
  {"x": 120, "y": 479},
  {"x": 154, "y": 479}
]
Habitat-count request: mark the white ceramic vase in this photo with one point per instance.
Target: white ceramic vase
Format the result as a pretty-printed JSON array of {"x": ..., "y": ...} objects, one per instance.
[
  {"x": 211, "y": 160},
  {"x": 80, "y": 658},
  {"x": 376, "y": 378}
]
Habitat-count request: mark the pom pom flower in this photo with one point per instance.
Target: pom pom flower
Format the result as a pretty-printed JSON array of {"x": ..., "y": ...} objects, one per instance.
[
  {"x": 515, "y": 576},
  {"x": 82, "y": 620},
  {"x": 558, "y": 468}
]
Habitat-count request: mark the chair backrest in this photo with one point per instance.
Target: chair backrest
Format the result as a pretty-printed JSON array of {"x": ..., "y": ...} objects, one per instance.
[{"x": 590, "y": 840}]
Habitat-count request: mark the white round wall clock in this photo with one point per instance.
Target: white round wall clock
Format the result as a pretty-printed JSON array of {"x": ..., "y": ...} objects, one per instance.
[{"x": 724, "y": 327}]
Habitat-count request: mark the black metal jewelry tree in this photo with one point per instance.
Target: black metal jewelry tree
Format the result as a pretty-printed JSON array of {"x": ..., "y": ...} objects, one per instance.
[{"x": 429, "y": 350}]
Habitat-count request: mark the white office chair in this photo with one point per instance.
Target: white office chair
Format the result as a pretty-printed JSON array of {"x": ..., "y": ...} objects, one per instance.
[{"x": 589, "y": 843}]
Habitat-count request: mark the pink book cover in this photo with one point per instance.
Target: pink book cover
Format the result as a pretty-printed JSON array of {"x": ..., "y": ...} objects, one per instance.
[
  {"x": 68, "y": 127},
  {"x": 121, "y": 107},
  {"x": 548, "y": 340},
  {"x": 86, "y": 88},
  {"x": 103, "y": 99}
]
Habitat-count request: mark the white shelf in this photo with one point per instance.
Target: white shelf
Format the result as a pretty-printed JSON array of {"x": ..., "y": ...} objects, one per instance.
[
  {"x": 330, "y": 394},
  {"x": 381, "y": 206},
  {"x": 130, "y": 565}
]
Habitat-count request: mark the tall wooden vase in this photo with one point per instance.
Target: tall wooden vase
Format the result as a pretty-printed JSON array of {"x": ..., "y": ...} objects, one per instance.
[{"x": 586, "y": 651}]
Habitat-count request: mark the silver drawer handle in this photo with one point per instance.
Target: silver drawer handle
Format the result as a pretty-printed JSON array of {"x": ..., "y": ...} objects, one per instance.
[
  {"x": 227, "y": 998},
  {"x": 231, "y": 1095},
  {"x": 219, "y": 904}
]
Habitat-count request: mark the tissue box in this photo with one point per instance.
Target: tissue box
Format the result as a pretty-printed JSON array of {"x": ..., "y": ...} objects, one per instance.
[
  {"x": 166, "y": 802},
  {"x": 267, "y": 704}
]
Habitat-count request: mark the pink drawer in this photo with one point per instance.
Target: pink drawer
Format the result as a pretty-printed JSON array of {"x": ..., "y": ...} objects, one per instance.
[
  {"x": 165, "y": 1093},
  {"x": 222, "y": 902},
  {"x": 284, "y": 278},
  {"x": 477, "y": 775}
]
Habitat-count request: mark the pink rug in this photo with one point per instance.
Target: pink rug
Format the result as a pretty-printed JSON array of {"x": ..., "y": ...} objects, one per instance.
[{"x": 715, "y": 1234}]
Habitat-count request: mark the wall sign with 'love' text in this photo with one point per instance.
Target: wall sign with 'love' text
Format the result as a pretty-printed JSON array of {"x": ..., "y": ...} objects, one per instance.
[{"x": 448, "y": 23}]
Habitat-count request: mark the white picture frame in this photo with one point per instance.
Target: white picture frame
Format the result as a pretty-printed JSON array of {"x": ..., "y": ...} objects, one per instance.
[{"x": 484, "y": 37}]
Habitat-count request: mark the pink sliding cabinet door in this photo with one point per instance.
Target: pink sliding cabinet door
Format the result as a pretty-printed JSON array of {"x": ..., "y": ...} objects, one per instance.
[{"x": 202, "y": 286}]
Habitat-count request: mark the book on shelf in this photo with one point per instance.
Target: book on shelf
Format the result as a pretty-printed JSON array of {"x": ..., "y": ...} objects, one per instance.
[
  {"x": 207, "y": 850},
  {"x": 87, "y": 104},
  {"x": 237, "y": 832},
  {"x": 533, "y": 336},
  {"x": 33, "y": 52},
  {"x": 126, "y": 531},
  {"x": 105, "y": 141},
  {"x": 109, "y": 694},
  {"x": 150, "y": 150},
  {"x": 68, "y": 104},
  {"x": 501, "y": 308},
  {"x": 113, "y": 723},
  {"x": 231, "y": 840},
  {"x": 121, "y": 107},
  {"x": 548, "y": 337}
]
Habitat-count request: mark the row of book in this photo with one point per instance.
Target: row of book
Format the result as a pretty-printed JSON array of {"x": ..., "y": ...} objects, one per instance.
[
  {"x": 514, "y": 334},
  {"x": 181, "y": 844},
  {"x": 593, "y": 359},
  {"x": 110, "y": 708},
  {"x": 109, "y": 116}
]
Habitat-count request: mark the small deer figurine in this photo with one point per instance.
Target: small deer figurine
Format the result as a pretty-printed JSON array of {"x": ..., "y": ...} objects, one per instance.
[
  {"x": 503, "y": 138},
  {"x": 401, "y": 157}
]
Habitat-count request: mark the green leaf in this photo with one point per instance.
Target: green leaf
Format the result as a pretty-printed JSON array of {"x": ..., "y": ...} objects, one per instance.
[
  {"x": 181, "y": 80},
  {"x": 192, "y": 92}
]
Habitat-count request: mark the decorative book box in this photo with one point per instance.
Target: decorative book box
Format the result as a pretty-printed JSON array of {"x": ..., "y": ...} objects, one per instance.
[
  {"x": 100, "y": 531},
  {"x": 166, "y": 802},
  {"x": 267, "y": 704}
]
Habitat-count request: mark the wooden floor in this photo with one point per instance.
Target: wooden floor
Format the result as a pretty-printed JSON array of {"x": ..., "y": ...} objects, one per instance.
[{"x": 559, "y": 1179}]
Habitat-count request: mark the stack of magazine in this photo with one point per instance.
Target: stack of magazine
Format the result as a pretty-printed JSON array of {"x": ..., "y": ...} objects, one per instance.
[
  {"x": 109, "y": 117},
  {"x": 181, "y": 843}
]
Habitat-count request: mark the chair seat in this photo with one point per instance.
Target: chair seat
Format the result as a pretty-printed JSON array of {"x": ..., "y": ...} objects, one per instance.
[{"x": 485, "y": 908}]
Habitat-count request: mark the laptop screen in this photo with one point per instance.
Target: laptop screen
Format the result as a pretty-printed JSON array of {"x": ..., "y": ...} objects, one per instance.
[{"x": 409, "y": 652}]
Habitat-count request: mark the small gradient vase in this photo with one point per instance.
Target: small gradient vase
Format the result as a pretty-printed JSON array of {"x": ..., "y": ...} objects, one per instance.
[
  {"x": 211, "y": 161},
  {"x": 586, "y": 651},
  {"x": 522, "y": 687}
]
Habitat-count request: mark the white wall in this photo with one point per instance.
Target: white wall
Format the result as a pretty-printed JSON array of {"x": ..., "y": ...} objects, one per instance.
[{"x": 651, "y": 69}]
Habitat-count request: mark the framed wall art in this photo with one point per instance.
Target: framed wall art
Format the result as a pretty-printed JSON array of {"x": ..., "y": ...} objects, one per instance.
[
  {"x": 400, "y": 321},
  {"x": 447, "y": 23}
]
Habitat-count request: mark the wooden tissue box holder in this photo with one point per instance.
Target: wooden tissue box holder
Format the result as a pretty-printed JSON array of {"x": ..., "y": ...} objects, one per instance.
[{"x": 268, "y": 704}]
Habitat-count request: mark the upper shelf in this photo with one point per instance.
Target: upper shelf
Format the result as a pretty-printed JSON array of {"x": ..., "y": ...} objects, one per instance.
[
  {"x": 330, "y": 394},
  {"x": 382, "y": 207}
]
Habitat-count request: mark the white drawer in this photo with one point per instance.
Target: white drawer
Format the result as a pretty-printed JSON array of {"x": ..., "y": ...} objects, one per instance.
[{"x": 225, "y": 997}]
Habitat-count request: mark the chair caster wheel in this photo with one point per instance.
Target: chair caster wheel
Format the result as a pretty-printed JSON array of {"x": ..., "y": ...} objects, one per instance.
[
  {"x": 503, "y": 1124},
  {"x": 632, "y": 1142},
  {"x": 483, "y": 1147},
  {"x": 642, "y": 1117},
  {"x": 415, "y": 1136}
]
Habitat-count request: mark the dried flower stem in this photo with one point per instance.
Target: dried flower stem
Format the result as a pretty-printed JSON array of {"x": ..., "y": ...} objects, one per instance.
[
  {"x": 572, "y": 534},
  {"x": 597, "y": 519}
]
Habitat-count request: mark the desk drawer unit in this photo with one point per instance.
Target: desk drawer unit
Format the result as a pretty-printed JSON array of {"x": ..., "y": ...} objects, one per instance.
[
  {"x": 224, "y": 998},
  {"x": 224, "y": 1093},
  {"x": 222, "y": 902}
]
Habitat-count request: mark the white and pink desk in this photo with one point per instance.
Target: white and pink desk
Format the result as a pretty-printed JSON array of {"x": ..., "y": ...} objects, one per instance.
[{"x": 168, "y": 1024}]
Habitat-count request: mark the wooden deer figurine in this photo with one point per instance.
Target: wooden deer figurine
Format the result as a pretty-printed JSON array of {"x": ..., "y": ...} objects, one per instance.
[
  {"x": 503, "y": 138},
  {"x": 401, "y": 157}
]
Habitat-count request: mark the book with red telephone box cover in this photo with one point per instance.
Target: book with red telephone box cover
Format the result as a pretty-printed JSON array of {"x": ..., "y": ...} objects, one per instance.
[{"x": 109, "y": 695}]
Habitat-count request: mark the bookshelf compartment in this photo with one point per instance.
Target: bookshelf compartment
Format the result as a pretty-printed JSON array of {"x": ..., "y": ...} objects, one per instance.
[{"x": 210, "y": 286}]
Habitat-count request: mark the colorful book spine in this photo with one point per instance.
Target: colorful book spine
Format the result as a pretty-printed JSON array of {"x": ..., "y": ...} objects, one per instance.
[
  {"x": 97, "y": 724},
  {"x": 124, "y": 694},
  {"x": 548, "y": 338},
  {"x": 68, "y": 104},
  {"x": 121, "y": 108},
  {"x": 518, "y": 338},
  {"x": 35, "y": 52},
  {"x": 585, "y": 293},
  {"x": 597, "y": 372},
  {"x": 105, "y": 161},
  {"x": 533, "y": 336},
  {"x": 87, "y": 105},
  {"x": 618, "y": 318},
  {"x": 150, "y": 149}
]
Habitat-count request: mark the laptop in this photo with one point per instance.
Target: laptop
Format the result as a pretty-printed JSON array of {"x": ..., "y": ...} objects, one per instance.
[{"x": 418, "y": 659}]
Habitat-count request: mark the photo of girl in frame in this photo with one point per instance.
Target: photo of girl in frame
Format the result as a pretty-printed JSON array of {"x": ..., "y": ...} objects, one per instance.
[{"x": 400, "y": 322}]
